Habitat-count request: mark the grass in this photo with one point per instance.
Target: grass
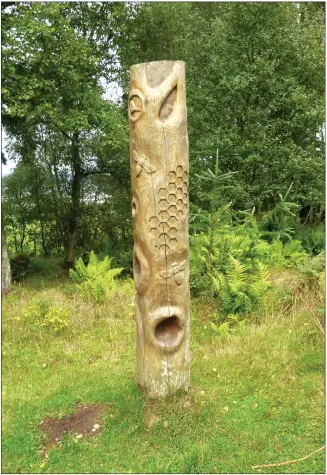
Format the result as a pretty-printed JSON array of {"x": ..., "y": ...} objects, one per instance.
[{"x": 257, "y": 393}]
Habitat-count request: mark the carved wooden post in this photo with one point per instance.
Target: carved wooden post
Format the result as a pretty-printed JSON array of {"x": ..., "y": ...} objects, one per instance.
[{"x": 159, "y": 170}]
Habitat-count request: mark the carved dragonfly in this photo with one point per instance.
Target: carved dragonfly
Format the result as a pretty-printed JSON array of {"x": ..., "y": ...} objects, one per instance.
[
  {"x": 142, "y": 164},
  {"x": 176, "y": 271}
]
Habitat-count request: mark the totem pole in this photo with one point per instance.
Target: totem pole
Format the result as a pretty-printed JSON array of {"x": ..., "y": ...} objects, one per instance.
[{"x": 159, "y": 171}]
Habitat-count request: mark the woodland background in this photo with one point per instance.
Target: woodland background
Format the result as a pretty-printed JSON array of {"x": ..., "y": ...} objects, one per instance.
[{"x": 255, "y": 92}]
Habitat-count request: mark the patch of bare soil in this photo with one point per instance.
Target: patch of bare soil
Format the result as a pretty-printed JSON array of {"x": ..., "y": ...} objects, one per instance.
[{"x": 85, "y": 421}]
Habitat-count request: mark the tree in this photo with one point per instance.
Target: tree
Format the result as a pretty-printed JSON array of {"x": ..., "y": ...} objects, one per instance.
[
  {"x": 254, "y": 89},
  {"x": 51, "y": 79}
]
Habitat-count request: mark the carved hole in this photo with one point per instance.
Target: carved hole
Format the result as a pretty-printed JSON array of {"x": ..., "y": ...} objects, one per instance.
[
  {"x": 167, "y": 331},
  {"x": 135, "y": 107},
  {"x": 179, "y": 214},
  {"x": 136, "y": 269},
  {"x": 133, "y": 208},
  {"x": 168, "y": 105}
]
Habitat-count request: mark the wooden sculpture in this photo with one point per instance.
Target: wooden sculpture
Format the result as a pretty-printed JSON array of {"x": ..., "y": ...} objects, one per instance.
[{"x": 159, "y": 171}]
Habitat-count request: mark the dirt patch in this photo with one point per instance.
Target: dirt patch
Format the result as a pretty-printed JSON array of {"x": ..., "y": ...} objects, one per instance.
[{"x": 85, "y": 421}]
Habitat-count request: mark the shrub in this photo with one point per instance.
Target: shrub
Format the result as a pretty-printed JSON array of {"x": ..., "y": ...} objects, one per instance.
[
  {"x": 96, "y": 280},
  {"x": 56, "y": 319},
  {"x": 240, "y": 288},
  {"x": 281, "y": 255},
  {"x": 233, "y": 323},
  {"x": 279, "y": 223},
  {"x": 314, "y": 270},
  {"x": 20, "y": 266},
  {"x": 41, "y": 312},
  {"x": 312, "y": 238},
  {"x": 36, "y": 309}
]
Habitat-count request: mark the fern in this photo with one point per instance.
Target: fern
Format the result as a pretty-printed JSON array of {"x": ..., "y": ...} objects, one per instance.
[
  {"x": 241, "y": 288},
  {"x": 97, "y": 278}
]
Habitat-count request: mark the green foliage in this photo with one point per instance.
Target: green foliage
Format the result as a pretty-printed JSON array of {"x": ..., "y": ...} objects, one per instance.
[
  {"x": 240, "y": 288},
  {"x": 278, "y": 223},
  {"x": 42, "y": 312},
  {"x": 280, "y": 255},
  {"x": 236, "y": 257},
  {"x": 56, "y": 319},
  {"x": 36, "y": 309},
  {"x": 255, "y": 88},
  {"x": 312, "y": 238},
  {"x": 20, "y": 266},
  {"x": 314, "y": 269},
  {"x": 233, "y": 324},
  {"x": 254, "y": 78},
  {"x": 96, "y": 279}
]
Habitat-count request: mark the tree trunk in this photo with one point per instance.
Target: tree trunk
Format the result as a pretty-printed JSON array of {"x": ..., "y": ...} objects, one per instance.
[
  {"x": 75, "y": 206},
  {"x": 46, "y": 252},
  {"x": 5, "y": 264},
  {"x": 159, "y": 171}
]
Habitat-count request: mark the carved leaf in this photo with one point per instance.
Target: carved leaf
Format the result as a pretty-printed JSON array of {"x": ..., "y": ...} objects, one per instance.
[
  {"x": 168, "y": 105},
  {"x": 166, "y": 274},
  {"x": 182, "y": 265}
]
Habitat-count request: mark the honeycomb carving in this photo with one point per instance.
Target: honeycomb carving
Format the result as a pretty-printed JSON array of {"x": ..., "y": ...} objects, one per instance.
[
  {"x": 154, "y": 232},
  {"x": 172, "y": 188},
  {"x": 163, "y": 226},
  {"x": 172, "y": 198},
  {"x": 172, "y": 176},
  {"x": 172, "y": 207},
  {"x": 162, "y": 193},
  {"x": 163, "y": 204},
  {"x": 154, "y": 221}
]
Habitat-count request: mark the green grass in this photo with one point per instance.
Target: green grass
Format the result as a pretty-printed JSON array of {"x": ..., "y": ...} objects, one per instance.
[{"x": 257, "y": 394}]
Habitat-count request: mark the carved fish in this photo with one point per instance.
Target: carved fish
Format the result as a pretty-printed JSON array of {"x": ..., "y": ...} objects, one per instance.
[
  {"x": 142, "y": 164},
  {"x": 175, "y": 271}
]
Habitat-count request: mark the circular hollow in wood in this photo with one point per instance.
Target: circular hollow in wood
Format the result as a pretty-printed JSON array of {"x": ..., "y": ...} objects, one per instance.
[
  {"x": 136, "y": 269},
  {"x": 167, "y": 331},
  {"x": 135, "y": 107},
  {"x": 133, "y": 208}
]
